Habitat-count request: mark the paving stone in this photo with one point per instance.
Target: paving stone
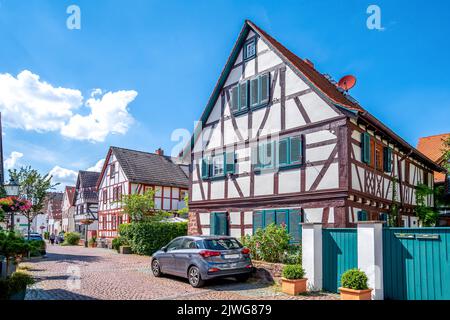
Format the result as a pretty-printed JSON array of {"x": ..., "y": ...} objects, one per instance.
[{"x": 78, "y": 273}]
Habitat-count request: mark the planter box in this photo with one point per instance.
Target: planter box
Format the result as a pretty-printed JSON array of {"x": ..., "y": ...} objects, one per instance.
[
  {"x": 351, "y": 294},
  {"x": 293, "y": 287},
  {"x": 125, "y": 250},
  {"x": 18, "y": 295}
]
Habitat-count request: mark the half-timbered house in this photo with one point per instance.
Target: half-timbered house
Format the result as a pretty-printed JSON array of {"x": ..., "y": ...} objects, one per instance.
[
  {"x": 86, "y": 203},
  {"x": 134, "y": 172},
  {"x": 53, "y": 210},
  {"x": 68, "y": 210},
  {"x": 279, "y": 142}
]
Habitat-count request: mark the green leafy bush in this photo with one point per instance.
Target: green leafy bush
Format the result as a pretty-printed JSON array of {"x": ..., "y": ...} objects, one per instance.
[
  {"x": 71, "y": 238},
  {"x": 293, "y": 271},
  {"x": 354, "y": 279},
  {"x": 46, "y": 235},
  {"x": 270, "y": 244},
  {"x": 17, "y": 282},
  {"x": 118, "y": 242},
  {"x": 37, "y": 248},
  {"x": 146, "y": 238},
  {"x": 293, "y": 255}
]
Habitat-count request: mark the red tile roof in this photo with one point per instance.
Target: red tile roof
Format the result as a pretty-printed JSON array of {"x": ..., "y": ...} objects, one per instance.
[
  {"x": 432, "y": 147},
  {"x": 318, "y": 79},
  {"x": 70, "y": 193}
]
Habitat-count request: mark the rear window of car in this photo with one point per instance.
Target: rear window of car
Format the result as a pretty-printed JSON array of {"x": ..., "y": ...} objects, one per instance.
[{"x": 222, "y": 244}]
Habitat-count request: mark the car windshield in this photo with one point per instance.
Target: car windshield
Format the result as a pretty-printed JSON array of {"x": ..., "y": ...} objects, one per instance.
[{"x": 222, "y": 244}]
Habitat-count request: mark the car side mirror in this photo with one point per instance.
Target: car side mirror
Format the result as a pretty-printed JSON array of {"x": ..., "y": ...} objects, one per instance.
[{"x": 164, "y": 249}]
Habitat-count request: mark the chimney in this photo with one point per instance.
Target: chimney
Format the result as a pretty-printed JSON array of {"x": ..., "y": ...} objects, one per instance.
[
  {"x": 159, "y": 152},
  {"x": 311, "y": 64}
]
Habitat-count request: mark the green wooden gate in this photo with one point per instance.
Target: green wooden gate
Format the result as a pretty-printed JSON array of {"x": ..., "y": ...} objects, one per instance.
[
  {"x": 416, "y": 263},
  {"x": 340, "y": 253}
]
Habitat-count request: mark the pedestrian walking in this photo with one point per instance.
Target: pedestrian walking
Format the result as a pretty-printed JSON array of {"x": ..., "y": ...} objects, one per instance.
[{"x": 52, "y": 238}]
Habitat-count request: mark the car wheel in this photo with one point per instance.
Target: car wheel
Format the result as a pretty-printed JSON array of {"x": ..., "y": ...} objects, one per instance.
[
  {"x": 195, "y": 278},
  {"x": 242, "y": 277},
  {"x": 156, "y": 268}
]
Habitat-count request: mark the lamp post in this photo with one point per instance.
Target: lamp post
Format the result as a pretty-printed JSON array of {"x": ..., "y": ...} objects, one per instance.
[{"x": 12, "y": 190}]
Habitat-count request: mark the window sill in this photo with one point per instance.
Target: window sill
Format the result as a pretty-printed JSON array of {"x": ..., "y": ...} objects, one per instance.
[
  {"x": 277, "y": 169},
  {"x": 260, "y": 106},
  {"x": 240, "y": 113}
]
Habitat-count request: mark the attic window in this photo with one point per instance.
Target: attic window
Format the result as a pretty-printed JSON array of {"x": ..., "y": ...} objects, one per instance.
[{"x": 250, "y": 49}]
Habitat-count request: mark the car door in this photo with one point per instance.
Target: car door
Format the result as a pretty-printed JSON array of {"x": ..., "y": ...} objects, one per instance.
[
  {"x": 183, "y": 255},
  {"x": 167, "y": 258}
]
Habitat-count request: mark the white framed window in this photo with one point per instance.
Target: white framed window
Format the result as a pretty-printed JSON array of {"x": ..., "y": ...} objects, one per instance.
[
  {"x": 250, "y": 49},
  {"x": 218, "y": 166}
]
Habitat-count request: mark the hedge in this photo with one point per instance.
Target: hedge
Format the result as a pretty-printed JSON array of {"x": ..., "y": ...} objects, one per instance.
[{"x": 146, "y": 238}]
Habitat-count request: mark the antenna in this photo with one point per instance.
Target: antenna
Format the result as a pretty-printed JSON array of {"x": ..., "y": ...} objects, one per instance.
[{"x": 347, "y": 82}]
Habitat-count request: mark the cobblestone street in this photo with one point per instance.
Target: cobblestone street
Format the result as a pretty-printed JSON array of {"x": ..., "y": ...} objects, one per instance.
[{"x": 105, "y": 274}]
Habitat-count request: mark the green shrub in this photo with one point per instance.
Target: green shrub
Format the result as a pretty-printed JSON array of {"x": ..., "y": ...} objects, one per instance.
[
  {"x": 19, "y": 282},
  {"x": 354, "y": 279},
  {"x": 293, "y": 255},
  {"x": 71, "y": 238},
  {"x": 270, "y": 244},
  {"x": 118, "y": 242},
  {"x": 37, "y": 248},
  {"x": 293, "y": 271},
  {"x": 146, "y": 238},
  {"x": 46, "y": 235}
]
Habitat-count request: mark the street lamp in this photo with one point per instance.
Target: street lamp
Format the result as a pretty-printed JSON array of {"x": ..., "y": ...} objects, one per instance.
[{"x": 12, "y": 190}]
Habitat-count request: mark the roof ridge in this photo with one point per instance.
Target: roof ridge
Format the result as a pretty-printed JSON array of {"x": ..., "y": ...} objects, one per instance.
[
  {"x": 145, "y": 152},
  {"x": 435, "y": 135}
]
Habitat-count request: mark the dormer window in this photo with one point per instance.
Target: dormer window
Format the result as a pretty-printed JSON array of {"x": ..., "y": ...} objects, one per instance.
[{"x": 250, "y": 49}]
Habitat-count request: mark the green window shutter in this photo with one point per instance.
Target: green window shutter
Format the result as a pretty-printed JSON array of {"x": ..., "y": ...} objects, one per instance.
[
  {"x": 296, "y": 148},
  {"x": 281, "y": 217},
  {"x": 260, "y": 162},
  {"x": 254, "y": 93},
  {"x": 255, "y": 156},
  {"x": 295, "y": 229},
  {"x": 243, "y": 95},
  {"x": 365, "y": 150},
  {"x": 283, "y": 152},
  {"x": 387, "y": 159},
  {"x": 362, "y": 215},
  {"x": 205, "y": 168},
  {"x": 230, "y": 162},
  {"x": 264, "y": 88},
  {"x": 219, "y": 224},
  {"x": 257, "y": 221},
  {"x": 269, "y": 217},
  {"x": 212, "y": 223},
  {"x": 235, "y": 99},
  {"x": 269, "y": 154}
]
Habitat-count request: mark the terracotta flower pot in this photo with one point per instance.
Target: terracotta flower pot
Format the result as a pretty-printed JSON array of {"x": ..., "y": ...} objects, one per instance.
[
  {"x": 293, "y": 286},
  {"x": 351, "y": 294}
]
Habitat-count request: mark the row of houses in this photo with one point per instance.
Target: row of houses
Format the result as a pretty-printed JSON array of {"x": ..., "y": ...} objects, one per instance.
[
  {"x": 278, "y": 141},
  {"x": 96, "y": 195}
]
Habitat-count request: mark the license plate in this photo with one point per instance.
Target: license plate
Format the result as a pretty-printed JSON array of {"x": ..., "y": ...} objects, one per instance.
[{"x": 231, "y": 256}]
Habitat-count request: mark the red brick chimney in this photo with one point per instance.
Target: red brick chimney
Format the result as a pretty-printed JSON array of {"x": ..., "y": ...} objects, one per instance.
[{"x": 159, "y": 152}]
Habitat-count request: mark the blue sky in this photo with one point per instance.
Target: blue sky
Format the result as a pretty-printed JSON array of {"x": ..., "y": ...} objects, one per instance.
[{"x": 159, "y": 61}]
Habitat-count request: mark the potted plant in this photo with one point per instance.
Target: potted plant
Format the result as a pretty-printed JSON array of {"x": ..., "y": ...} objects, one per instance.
[
  {"x": 293, "y": 281},
  {"x": 354, "y": 286},
  {"x": 93, "y": 242},
  {"x": 18, "y": 283}
]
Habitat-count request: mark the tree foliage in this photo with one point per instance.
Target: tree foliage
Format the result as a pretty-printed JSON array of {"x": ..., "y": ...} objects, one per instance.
[
  {"x": 34, "y": 187},
  {"x": 427, "y": 215},
  {"x": 141, "y": 207}
]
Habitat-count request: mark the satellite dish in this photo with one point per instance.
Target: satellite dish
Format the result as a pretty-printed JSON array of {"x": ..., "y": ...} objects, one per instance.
[{"x": 347, "y": 82}]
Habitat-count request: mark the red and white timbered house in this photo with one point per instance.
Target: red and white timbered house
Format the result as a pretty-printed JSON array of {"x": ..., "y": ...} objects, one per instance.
[
  {"x": 133, "y": 172},
  {"x": 280, "y": 142}
]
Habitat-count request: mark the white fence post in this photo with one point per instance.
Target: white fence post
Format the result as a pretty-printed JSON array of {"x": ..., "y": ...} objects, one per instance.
[
  {"x": 370, "y": 255},
  {"x": 312, "y": 254}
]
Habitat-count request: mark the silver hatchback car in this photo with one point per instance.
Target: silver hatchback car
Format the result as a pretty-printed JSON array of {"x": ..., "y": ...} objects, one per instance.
[{"x": 200, "y": 258}]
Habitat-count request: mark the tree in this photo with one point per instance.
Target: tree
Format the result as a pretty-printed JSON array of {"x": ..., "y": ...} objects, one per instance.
[
  {"x": 142, "y": 207},
  {"x": 184, "y": 211},
  {"x": 34, "y": 187},
  {"x": 446, "y": 153},
  {"x": 427, "y": 215}
]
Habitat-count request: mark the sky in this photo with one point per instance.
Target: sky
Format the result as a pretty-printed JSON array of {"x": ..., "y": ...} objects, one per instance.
[{"x": 138, "y": 73}]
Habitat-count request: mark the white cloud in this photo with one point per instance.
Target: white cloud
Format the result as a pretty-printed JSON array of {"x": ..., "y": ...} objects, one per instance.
[
  {"x": 97, "y": 167},
  {"x": 28, "y": 103},
  {"x": 65, "y": 177},
  {"x": 12, "y": 159},
  {"x": 109, "y": 115}
]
